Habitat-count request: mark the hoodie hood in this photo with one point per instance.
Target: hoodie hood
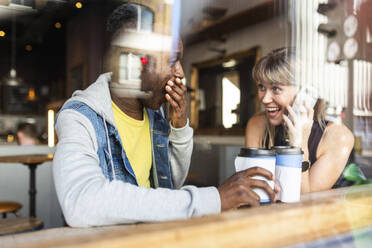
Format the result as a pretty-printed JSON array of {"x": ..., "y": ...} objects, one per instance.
[{"x": 97, "y": 96}]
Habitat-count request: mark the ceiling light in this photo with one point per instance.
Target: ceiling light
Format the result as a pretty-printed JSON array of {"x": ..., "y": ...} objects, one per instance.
[
  {"x": 78, "y": 5},
  {"x": 28, "y": 48},
  {"x": 230, "y": 63},
  {"x": 58, "y": 25},
  {"x": 31, "y": 96},
  {"x": 13, "y": 80}
]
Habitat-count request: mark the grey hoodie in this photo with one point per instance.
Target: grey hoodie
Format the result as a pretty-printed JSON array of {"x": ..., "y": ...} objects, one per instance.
[{"x": 87, "y": 198}]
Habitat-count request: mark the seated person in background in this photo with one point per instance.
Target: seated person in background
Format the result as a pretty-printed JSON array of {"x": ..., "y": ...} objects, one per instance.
[
  {"x": 326, "y": 145},
  {"x": 118, "y": 160},
  {"x": 27, "y": 134}
]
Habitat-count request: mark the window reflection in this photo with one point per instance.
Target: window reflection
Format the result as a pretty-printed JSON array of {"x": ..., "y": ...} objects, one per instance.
[
  {"x": 130, "y": 67},
  {"x": 147, "y": 19}
]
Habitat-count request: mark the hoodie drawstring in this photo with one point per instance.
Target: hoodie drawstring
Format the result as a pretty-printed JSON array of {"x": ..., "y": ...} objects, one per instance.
[{"x": 109, "y": 148}]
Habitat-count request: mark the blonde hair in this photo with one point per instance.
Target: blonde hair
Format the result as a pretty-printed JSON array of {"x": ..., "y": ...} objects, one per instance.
[{"x": 281, "y": 65}]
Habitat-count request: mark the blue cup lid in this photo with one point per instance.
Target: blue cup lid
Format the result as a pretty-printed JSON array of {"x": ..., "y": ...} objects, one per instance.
[
  {"x": 255, "y": 152},
  {"x": 287, "y": 150}
]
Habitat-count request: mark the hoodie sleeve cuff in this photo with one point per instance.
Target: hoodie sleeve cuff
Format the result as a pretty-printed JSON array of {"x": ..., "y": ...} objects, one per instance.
[
  {"x": 211, "y": 201},
  {"x": 182, "y": 134}
]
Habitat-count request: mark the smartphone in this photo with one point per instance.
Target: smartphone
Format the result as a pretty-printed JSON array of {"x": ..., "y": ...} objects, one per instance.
[{"x": 305, "y": 94}]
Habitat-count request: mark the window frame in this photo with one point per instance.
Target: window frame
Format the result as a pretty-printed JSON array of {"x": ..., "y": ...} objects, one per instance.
[{"x": 140, "y": 8}]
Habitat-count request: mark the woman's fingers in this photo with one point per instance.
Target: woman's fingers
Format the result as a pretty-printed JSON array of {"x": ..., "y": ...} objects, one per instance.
[
  {"x": 288, "y": 122},
  {"x": 291, "y": 114}
]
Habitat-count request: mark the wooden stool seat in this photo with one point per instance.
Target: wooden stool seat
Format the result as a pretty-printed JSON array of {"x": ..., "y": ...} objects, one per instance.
[
  {"x": 21, "y": 224},
  {"x": 9, "y": 207}
]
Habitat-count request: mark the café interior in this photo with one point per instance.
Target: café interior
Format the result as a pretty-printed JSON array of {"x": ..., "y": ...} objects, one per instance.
[{"x": 51, "y": 48}]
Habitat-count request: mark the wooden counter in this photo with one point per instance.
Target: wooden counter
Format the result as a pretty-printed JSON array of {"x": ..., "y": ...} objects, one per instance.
[{"x": 318, "y": 215}]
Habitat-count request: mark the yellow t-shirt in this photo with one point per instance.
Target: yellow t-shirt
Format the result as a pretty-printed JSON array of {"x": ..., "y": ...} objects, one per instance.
[{"x": 135, "y": 137}]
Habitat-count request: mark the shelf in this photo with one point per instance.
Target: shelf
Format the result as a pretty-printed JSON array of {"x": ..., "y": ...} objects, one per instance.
[{"x": 246, "y": 18}]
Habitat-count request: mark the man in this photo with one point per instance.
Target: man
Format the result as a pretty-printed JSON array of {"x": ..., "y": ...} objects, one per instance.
[
  {"x": 118, "y": 161},
  {"x": 27, "y": 134}
]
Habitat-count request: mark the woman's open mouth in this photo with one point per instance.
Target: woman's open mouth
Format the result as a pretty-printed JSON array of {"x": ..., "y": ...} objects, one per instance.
[{"x": 272, "y": 112}]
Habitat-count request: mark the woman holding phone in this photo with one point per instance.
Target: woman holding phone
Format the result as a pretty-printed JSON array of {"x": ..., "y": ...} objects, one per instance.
[{"x": 326, "y": 145}]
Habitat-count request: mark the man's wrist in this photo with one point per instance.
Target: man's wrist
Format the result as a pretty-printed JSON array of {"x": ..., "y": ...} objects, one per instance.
[
  {"x": 179, "y": 128},
  {"x": 179, "y": 124}
]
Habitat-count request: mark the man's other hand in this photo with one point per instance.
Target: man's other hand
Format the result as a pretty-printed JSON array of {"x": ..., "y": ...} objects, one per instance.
[{"x": 237, "y": 190}]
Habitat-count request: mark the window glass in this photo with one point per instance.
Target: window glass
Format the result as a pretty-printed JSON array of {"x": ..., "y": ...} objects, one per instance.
[
  {"x": 130, "y": 67},
  {"x": 147, "y": 19}
]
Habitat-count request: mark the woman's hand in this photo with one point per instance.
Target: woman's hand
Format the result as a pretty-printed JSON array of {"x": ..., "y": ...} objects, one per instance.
[{"x": 299, "y": 126}]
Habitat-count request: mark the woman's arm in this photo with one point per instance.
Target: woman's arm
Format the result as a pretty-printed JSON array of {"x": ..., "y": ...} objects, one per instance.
[{"x": 332, "y": 154}]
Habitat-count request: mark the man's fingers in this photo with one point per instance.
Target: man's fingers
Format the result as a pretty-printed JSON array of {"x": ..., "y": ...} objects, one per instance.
[
  {"x": 254, "y": 195},
  {"x": 172, "y": 102},
  {"x": 173, "y": 94},
  {"x": 258, "y": 171},
  {"x": 177, "y": 90},
  {"x": 181, "y": 85},
  {"x": 249, "y": 201},
  {"x": 247, "y": 196},
  {"x": 177, "y": 87},
  {"x": 256, "y": 183}
]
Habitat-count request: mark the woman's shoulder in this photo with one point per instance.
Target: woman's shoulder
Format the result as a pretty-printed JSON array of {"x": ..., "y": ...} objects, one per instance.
[
  {"x": 338, "y": 129},
  {"x": 254, "y": 130},
  {"x": 336, "y": 134},
  {"x": 258, "y": 120}
]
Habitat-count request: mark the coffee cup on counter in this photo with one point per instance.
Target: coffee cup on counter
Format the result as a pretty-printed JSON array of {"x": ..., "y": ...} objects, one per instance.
[
  {"x": 256, "y": 157},
  {"x": 288, "y": 171}
]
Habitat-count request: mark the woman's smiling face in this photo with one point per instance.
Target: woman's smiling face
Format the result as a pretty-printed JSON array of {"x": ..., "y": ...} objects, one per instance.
[{"x": 275, "y": 97}]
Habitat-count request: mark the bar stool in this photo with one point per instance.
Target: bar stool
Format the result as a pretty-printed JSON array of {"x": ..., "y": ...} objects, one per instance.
[
  {"x": 17, "y": 225},
  {"x": 9, "y": 207}
]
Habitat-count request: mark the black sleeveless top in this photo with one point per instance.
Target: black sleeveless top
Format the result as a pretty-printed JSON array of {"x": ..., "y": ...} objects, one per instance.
[{"x": 314, "y": 139}]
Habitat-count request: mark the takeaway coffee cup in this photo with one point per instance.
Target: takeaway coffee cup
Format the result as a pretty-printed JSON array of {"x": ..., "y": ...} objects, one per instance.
[
  {"x": 255, "y": 157},
  {"x": 288, "y": 171}
]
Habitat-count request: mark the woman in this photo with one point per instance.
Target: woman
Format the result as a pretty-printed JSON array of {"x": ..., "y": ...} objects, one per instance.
[{"x": 326, "y": 145}]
